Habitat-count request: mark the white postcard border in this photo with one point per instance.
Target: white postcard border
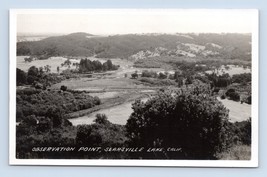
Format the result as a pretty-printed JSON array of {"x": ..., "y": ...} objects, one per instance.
[{"x": 157, "y": 163}]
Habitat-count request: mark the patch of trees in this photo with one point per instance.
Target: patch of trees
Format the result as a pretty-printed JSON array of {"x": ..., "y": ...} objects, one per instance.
[
  {"x": 87, "y": 65},
  {"x": 37, "y": 102},
  {"x": 32, "y": 133},
  {"x": 223, "y": 80},
  {"x": 66, "y": 63},
  {"x": 190, "y": 119},
  {"x": 243, "y": 79},
  {"x": 36, "y": 76},
  {"x": 102, "y": 134},
  {"x": 28, "y": 59},
  {"x": 134, "y": 75},
  {"x": 242, "y": 132},
  {"x": 232, "y": 94},
  {"x": 147, "y": 73},
  {"x": 51, "y": 129}
]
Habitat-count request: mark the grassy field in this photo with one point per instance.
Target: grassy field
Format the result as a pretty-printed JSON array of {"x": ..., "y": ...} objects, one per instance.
[
  {"x": 54, "y": 62},
  {"x": 104, "y": 84}
]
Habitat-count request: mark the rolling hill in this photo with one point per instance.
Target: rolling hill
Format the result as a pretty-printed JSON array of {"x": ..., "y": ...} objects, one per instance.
[{"x": 140, "y": 46}]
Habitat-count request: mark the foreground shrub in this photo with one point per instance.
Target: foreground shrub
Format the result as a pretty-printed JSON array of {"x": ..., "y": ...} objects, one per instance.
[{"x": 191, "y": 120}]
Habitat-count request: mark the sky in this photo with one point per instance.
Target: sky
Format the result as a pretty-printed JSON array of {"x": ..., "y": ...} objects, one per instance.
[{"x": 132, "y": 21}]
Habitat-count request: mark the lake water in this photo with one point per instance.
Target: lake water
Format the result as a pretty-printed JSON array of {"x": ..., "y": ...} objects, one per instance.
[
  {"x": 105, "y": 95},
  {"x": 237, "y": 111},
  {"x": 117, "y": 115}
]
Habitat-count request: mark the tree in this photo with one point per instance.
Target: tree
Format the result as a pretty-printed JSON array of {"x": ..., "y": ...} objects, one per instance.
[
  {"x": 33, "y": 71},
  {"x": 47, "y": 68},
  {"x": 58, "y": 69},
  {"x": 109, "y": 64},
  {"x": 21, "y": 77},
  {"x": 33, "y": 74},
  {"x": 134, "y": 75},
  {"x": 162, "y": 76},
  {"x": 188, "y": 80},
  {"x": 87, "y": 135},
  {"x": 248, "y": 100},
  {"x": 41, "y": 70},
  {"x": 232, "y": 94},
  {"x": 101, "y": 119},
  {"x": 29, "y": 59},
  {"x": 190, "y": 119},
  {"x": 179, "y": 81},
  {"x": 63, "y": 88}
]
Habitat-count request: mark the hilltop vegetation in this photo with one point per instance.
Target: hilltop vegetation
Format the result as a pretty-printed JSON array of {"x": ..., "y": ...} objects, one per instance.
[{"x": 125, "y": 46}]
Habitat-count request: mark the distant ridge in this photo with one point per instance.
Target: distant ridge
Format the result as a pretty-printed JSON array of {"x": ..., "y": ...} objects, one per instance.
[{"x": 124, "y": 46}]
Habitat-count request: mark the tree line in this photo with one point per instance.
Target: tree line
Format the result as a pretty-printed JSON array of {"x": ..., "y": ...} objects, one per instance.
[{"x": 86, "y": 65}]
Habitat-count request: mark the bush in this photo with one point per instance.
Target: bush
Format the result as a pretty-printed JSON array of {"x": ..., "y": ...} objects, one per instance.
[
  {"x": 162, "y": 76},
  {"x": 196, "y": 123},
  {"x": 243, "y": 131},
  {"x": 63, "y": 88},
  {"x": 231, "y": 90},
  {"x": 21, "y": 77},
  {"x": 232, "y": 95},
  {"x": 134, "y": 75},
  {"x": 146, "y": 73},
  {"x": 223, "y": 97},
  {"x": 248, "y": 100},
  {"x": 243, "y": 78},
  {"x": 102, "y": 134},
  {"x": 101, "y": 119}
]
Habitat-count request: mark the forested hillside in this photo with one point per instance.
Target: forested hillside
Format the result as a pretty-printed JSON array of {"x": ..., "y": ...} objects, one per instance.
[{"x": 125, "y": 46}]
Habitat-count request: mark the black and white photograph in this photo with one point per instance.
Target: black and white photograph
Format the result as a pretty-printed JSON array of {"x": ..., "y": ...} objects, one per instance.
[{"x": 134, "y": 87}]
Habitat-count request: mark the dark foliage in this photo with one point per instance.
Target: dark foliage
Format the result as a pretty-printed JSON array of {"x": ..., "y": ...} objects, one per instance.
[
  {"x": 21, "y": 77},
  {"x": 219, "y": 80},
  {"x": 36, "y": 76},
  {"x": 63, "y": 88},
  {"x": 241, "y": 132},
  {"x": 162, "y": 76},
  {"x": 147, "y": 73},
  {"x": 38, "y": 102},
  {"x": 191, "y": 120},
  {"x": 241, "y": 78},
  {"x": 232, "y": 94},
  {"x": 134, "y": 75},
  {"x": 87, "y": 65}
]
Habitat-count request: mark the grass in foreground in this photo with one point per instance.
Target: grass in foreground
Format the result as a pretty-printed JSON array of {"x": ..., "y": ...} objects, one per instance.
[{"x": 237, "y": 152}]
